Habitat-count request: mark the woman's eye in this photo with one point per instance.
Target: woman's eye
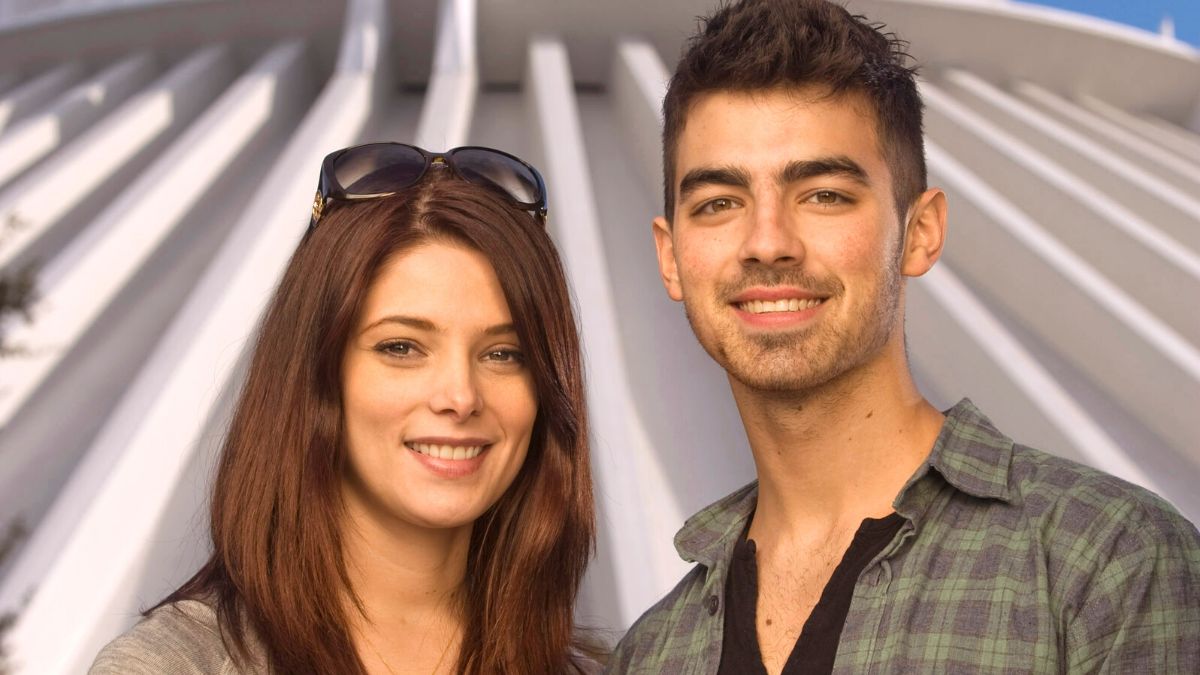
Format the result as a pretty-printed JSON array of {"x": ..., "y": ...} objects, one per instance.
[
  {"x": 505, "y": 356},
  {"x": 397, "y": 348}
]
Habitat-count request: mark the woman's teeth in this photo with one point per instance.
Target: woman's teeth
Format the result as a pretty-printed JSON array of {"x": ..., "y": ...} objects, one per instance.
[{"x": 447, "y": 451}]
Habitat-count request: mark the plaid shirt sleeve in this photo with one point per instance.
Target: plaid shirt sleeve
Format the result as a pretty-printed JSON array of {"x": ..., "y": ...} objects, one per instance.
[{"x": 1133, "y": 591}]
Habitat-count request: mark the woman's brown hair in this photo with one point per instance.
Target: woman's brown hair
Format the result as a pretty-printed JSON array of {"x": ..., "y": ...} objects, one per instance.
[{"x": 277, "y": 570}]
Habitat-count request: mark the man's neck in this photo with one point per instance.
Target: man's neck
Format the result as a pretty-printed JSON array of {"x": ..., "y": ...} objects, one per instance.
[{"x": 830, "y": 456}]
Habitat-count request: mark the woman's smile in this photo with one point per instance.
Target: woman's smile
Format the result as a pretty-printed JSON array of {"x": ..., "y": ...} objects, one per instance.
[{"x": 450, "y": 458}]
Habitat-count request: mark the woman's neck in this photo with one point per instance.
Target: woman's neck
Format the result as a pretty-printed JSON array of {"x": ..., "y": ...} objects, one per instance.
[{"x": 408, "y": 585}]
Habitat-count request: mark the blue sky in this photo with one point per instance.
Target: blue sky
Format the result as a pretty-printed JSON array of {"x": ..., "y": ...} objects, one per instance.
[{"x": 1145, "y": 14}]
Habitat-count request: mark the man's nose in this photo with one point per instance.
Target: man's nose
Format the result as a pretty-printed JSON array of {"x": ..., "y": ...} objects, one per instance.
[{"x": 771, "y": 236}]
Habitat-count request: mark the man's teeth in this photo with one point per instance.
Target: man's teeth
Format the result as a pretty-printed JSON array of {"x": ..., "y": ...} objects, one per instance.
[
  {"x": 447, "y": 451},
  {"x": 788, "y": 305}
]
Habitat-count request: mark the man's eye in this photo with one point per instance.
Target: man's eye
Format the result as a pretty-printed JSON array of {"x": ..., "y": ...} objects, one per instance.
[
  {"x": 716, "y": 205},
  {"x": 827, "y": 198}
]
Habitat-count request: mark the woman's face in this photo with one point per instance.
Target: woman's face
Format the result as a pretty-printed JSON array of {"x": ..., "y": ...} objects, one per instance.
[{"x": 438, "y": 401}]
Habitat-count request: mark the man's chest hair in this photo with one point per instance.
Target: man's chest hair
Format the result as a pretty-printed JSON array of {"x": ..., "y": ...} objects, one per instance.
[{"x": 790, "y": 582}]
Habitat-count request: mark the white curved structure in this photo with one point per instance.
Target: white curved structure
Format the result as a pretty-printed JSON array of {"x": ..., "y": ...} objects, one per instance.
[{"x": 158, "y": 158}]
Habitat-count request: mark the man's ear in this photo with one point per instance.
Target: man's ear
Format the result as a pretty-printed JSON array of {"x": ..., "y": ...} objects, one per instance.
[
  {"x": 925, "y": 233},
  {"x": 667, "y": 266}
]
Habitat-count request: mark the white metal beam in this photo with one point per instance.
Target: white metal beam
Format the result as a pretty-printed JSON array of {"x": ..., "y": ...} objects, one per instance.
[
  {"x": 83, "y": 279},
  {"x": 641, "y": 515},
  {"x": 35, "y": 137},
  {"x": 38, "y": 203},
  {"x": 268, "y": 93},
  {"x": 1180, "y": 172},
  {"x": 1130, "y": 353},
  {"x": 446, "y": 115},
  {"x": 1167, "y": 136},
  {"x": 639, "y": 82},
  {"x": 1174, "y": 212},
  {"x": 38, "y": 91},
  {"x": 1019, "y": 370},
  {"x": 1143, "y": 260},
  {"x": 89, "y": 594}
]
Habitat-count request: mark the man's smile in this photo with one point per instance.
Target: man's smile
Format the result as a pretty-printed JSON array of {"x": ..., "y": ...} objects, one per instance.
[{"x": 773, "y": 306}]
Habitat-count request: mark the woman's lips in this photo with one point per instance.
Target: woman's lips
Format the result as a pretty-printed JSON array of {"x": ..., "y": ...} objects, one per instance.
[
  {"x": 447, "y": 451},
  {"x": 450, "y": 458}
]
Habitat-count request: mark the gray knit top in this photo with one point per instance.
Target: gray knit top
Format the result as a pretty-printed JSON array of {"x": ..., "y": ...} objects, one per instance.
[{"x": 182, "y": 638}]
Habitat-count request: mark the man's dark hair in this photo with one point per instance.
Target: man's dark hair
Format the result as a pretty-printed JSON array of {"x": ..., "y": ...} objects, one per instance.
[{"x": 765, "y": 44}]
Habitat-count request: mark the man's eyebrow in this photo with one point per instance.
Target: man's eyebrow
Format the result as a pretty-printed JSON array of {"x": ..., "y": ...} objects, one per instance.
[
  {"x": 720, "y": 175},
  {"x": 836, "y": 165}
]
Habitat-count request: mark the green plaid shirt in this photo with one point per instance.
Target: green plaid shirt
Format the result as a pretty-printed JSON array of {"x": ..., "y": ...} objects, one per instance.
[{"x": 1009, "y": 561}]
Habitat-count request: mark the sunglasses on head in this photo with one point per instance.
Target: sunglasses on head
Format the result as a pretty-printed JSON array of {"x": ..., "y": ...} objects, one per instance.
[{"x": 382, "y": 169}]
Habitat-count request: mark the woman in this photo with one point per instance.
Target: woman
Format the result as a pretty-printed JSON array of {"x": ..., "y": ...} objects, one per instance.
[{"x": 405, "y": 482}]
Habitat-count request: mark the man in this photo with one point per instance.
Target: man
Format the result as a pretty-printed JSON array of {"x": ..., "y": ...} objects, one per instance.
[{"x": 882, "y": 535}]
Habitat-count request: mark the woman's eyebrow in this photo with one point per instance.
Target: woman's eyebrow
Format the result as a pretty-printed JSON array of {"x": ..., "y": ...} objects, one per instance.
[
  {"x": 507, "y": 328},
  {"x": 501, "y": 329},
  {"x": 410, "y": 321}
]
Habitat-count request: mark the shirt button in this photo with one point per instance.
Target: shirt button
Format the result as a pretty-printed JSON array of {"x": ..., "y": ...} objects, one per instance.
[{"x": 711, "y": 603}]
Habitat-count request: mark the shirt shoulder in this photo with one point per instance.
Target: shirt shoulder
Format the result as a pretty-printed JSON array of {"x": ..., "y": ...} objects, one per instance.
[
  {"x": 1068, "y": 502},
  {"x": 654, "y": 640},
  {"x": 1123, "y": 567},
  {"x": 1074, "y": 503},
  {"x": 182, "y": 638}
]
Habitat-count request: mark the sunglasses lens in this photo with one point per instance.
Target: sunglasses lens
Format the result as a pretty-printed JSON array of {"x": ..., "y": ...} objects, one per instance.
[
  {"x": 379, "y": 168},
  {"x": 492, "y": 169}
]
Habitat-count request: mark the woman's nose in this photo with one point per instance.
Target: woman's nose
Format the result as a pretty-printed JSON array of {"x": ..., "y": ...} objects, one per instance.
[{"x": 456, "y": 392}]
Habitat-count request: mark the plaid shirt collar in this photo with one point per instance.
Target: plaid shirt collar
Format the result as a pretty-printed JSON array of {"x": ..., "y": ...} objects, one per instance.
[{"x": 970, "y": 454}]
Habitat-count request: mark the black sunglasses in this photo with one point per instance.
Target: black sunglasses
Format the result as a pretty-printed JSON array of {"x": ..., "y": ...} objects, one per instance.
[{"x": 381, "y": 169}]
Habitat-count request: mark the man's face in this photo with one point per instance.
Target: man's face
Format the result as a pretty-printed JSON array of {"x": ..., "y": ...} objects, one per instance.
[{"x": 785, "y": 246}]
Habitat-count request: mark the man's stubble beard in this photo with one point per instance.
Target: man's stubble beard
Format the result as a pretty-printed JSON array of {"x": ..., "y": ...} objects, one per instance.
[{"x": 796, "y": 361}]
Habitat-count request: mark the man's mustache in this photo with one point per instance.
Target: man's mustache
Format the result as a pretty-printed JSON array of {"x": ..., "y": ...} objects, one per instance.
[{"x": 765, "y": 275}]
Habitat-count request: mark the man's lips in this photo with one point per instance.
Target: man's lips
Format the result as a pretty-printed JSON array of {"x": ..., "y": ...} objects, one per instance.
[
  {"x": 775, "y": 293},
  {"x": 777, "y": 306},
  {"x": 773, "y": 300}
]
